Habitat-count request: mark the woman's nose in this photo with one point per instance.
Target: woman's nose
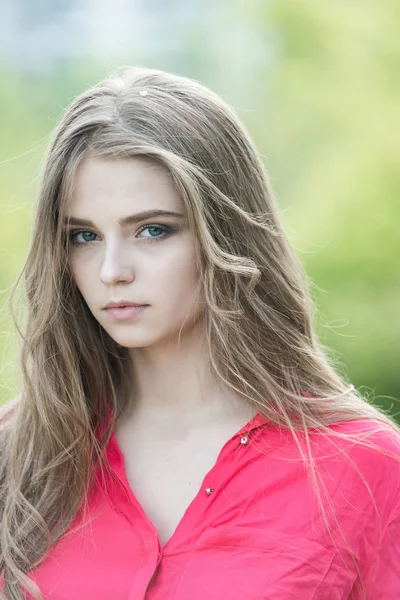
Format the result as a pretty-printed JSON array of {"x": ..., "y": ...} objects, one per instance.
[{"x": 116, "y": 267}]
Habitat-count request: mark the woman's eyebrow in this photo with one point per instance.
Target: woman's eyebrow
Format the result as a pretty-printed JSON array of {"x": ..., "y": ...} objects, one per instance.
[{"x": 129, "y": 220}]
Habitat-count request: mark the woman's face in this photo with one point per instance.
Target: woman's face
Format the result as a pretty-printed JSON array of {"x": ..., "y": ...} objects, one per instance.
[{"x": 150, "y": 261}]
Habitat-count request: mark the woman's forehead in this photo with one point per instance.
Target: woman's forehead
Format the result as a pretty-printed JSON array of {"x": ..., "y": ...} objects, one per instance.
[{"x": 135, "y": 184}]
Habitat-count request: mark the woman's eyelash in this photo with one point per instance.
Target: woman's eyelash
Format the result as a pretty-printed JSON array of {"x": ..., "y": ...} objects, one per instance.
[{"x": 166, "y": 229}]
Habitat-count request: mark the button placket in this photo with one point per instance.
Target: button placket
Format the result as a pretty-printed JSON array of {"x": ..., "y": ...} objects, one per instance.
[{"x": 244, "y": 440}]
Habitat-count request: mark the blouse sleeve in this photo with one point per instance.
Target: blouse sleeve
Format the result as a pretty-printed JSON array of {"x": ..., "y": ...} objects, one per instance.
[{"x": 382, "y": 579}]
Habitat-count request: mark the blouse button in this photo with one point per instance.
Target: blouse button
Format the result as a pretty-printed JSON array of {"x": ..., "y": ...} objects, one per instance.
[
  {"x": 209, "y": 491},
  {"x": 244, "y": 440}
]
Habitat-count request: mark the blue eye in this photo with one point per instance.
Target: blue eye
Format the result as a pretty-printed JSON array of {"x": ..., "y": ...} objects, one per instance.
[
  {"x": 165, "y": 232},
  {"x": 164, "y": 229},
  {"x": 75, "y": 232}
]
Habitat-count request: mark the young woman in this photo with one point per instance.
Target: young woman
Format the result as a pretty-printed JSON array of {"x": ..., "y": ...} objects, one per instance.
[{"x": 180, "y": 431}]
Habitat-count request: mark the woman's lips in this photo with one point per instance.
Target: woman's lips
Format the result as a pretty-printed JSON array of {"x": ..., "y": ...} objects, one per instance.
[{"x": 124, "y": 312}]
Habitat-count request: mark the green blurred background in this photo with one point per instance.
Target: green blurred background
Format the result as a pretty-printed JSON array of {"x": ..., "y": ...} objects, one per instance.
[{"x": 317, "y": 85}]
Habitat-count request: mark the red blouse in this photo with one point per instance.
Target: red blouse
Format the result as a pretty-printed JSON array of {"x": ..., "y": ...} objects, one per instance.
[{"x": 253, "y": 531}]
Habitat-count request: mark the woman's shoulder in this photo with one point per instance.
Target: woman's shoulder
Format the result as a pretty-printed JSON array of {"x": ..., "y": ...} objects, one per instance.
[
  {"x": 8, "y": 409},
  {"x": 370, "y": 435},
  {"x": 366, "y": 451}
]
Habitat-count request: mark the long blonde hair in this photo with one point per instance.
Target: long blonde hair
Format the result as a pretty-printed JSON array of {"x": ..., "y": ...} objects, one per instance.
[{"x": 258, "y": 321}]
